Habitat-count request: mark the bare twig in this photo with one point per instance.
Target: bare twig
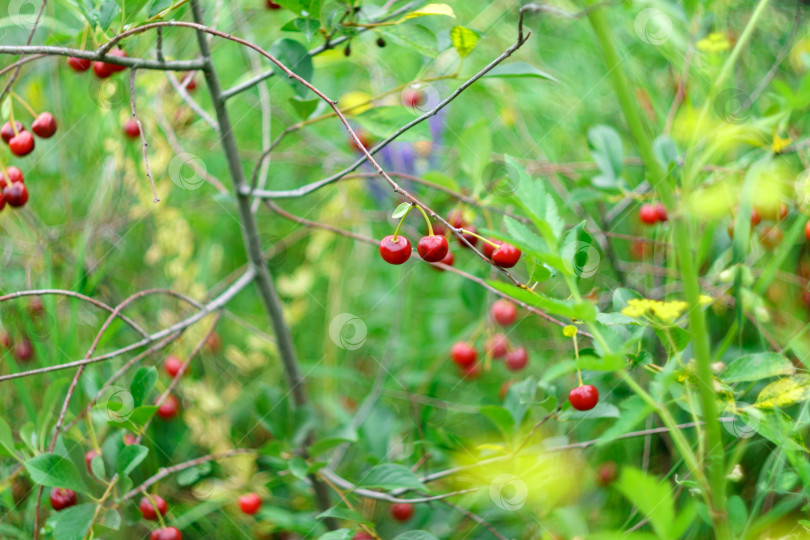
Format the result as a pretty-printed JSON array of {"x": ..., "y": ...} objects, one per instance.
[{"x": 144, "y": 144}]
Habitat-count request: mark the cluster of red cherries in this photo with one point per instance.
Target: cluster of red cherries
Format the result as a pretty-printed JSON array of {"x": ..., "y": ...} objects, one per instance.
[
  {"x": 154, "y": 507},
  {"x": 497, "y": 346},
  {"x": 434, "y": 248},
  {"x": 21, "y": 143}
]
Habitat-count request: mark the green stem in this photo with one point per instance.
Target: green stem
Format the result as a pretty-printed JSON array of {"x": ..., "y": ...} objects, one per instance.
[
  {"x": 490, "y": 242},
  {"x": 682, "y": 240},
  {"x": 427, "y": 220},
  {"x": 401, "y": 221}
]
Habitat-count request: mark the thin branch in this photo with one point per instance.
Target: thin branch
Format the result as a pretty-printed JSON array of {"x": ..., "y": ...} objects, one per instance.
[
  {"x": 381, "y": 496},
  {"x": 127, "y": 61},
  {"x": 144, "y": 144},
  {"x": 19, "y": 63}
]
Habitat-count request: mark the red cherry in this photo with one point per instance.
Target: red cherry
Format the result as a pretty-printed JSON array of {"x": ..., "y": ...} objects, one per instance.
[
  {"x": 168, "y": 409},
  {"x": 172, "y": 365},
  {"x": 44, "y": 126},
  {"x": 584, "y": 398},
  {"x": 62, "y": 498},
  {"x": 189, "y": 81},
  {"x": 88, "y": 460},
  {"x": 489, "y": 249},
  {"x": 517, "y": 359},
  {"x": 129, "y": 438},
  {"x": 16, "y": 194},
  {"x": 468, "y": 237},
  {"x": 503, "y": 312},
  {"x": 115, "y": 68},
  {"x": 362, "y": 535},
  {"x": 412, "y": 97},
  {"x": 22, "y": 144},
  {"x": 79, "y": 64},
  {"x": 402, "y": 511},
  {"x": 497, "y": 345},
  {"x": 14, "y": 175},
  {"x": 661, "y": 212},
  {"x": 471, "y": 372},
  {"x": 365, "y": 140},
  {"x": 102, "y": 69},
  {"x": 448, "y": 259},
  {"x": 250, "y": 503},
  {"x": 506, "y": 256},
  {"x": 395, "y": 252},
  {"x": 24, "y": 351},
  {"x": 432, "y": 248},
  {"x": 2, "y": 198},
  {"x": 131, "y": 129},
  {"x": 456, "y": 219},
  {"x": 463, "y": 354},
  {"x": 169, "y": 533},
  {"x": 648, "y": 214},
  {"x": 7, "y": 132},
  {"x": 148, "y": 509},
  {"x": 783, "y": 211},
  {"x": 272, "y": 5},
  {"x": 5, "y": 340},
  {"x": 607, "y": 473},
  {"x": 755, "y": 217}
]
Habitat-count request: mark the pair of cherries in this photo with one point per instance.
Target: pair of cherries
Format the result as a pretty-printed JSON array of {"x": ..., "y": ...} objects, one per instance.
[
  {"x": 650, "y": 214},
  {"x": 20, "y": 141},
  {"x": 103, "y": 70},
  {"x": 12, "y": 188},
  {"x": 396, "y": 249}
]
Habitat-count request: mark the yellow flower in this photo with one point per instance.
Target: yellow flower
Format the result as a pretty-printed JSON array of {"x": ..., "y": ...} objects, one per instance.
[
  {"x": 779, "y": 144},
  {"x": 714, "y": 42},
  {"x": 705, "y": 300}
]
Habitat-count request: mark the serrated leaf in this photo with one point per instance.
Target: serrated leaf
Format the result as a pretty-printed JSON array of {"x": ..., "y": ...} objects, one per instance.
[
  {"x": 784, "y": 392},
  {"x": 523, "y": 236},
  {"x": 392, "y": 476},
  {"x": 519, "y": 69},
  {"x": 52, "y": 470},
  {"x": 753, "y": 367},
  {"x": 464, "y": 40},
  {"x": 584, "y": 311}
]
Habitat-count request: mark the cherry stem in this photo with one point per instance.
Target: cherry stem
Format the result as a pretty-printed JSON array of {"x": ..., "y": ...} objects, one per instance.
[
  {"x": 11, "y": 119},
  {"x": 576, "y": 357},
  {"x": 24, "y": 103},
  {"x": 3, "y": 166},
  {"x": 427, "y": 219},
  {"x": 401, "y": 221},
  {"x": 490, "y": 242},
  {"x": 153, "y": 502}
]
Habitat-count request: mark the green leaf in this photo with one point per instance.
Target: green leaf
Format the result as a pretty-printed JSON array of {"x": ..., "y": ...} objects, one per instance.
[
  {"x": 74, "y": 522},
  {"x": 607, "y": 153},
  {"x": 327, "y": 443},
  {"x": 51, "y": 470},
  {"x": 519, "y": 398},
  {"x": 501, "y": 417},
  {"x": 464, "y": 40},
  {"x": 430, "y": 9},
  {"x": 653, "y": 498},
  {"x": 524, "y": 237},
  {"x": 416, "y": 535},
  {"x": 392, "y": 476},
  {"x": 579, "y": 254},
  {"x": 634, "y": 411},
  {"x": 519, "y": 69},
  {"x": 107, "y": 13},
  {"x": 665, "y": 151},
  {"x": 307, "y": 26},
  {"x": 339, "y": 534},
  {"x": 142, "y": 383},
  {"x": 472, "y": 295},
  {"x": 130, "y": 457},
  {"x": 602, "y": 410},
  {"x": 784, "y": 392},
  {"x": 584, "y": 311},
  {"x": 753, "y": 367},
  {"x": 296, "y": 57},
  {"x": 415, "y": 36},
  {"x": 6, "y": 439},
  {"x": 345, "y": 514},
  {"x": 298, "y": 467},
  {"x": 383, "y": 122},
  {"x": 401, "y": 210},
  {"x": 157, "y": 6},
  {"x": 304, "y": 107}
]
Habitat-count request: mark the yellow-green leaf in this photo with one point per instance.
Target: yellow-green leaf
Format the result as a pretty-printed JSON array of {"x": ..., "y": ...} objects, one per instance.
[
  {"x": 430, "y": 9},
  {"x": 784, "y": 392},
  {"x": 464, "y": 40}
]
